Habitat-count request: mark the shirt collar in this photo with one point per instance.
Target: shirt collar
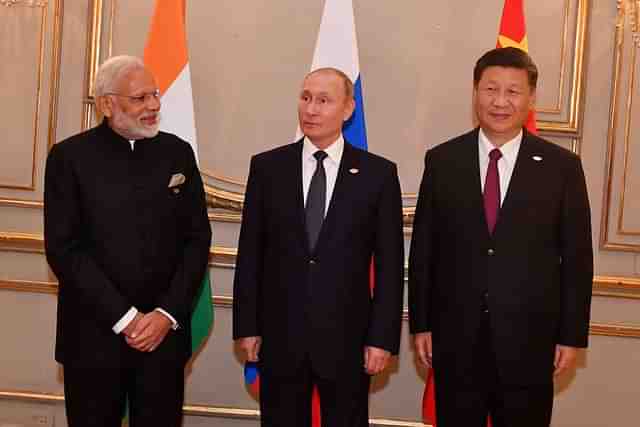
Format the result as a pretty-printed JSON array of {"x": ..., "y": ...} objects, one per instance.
[
  {"x": 334, "y": 151},
  {"x": 509, "y": 149},
  {"x": 112, "y": 135}
]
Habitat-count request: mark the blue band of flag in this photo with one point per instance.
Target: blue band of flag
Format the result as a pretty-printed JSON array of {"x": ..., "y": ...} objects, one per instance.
[{"x": 354, "y": 129}]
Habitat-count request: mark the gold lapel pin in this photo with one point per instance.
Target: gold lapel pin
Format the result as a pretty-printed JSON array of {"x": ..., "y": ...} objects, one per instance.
[{"x": 537, "y": 158}]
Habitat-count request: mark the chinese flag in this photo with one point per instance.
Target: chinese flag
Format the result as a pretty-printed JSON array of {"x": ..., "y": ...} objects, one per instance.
[{"x": 512, "y": 33}]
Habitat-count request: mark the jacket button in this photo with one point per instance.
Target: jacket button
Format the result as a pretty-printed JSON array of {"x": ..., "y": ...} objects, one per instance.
[
  {"x": 312, "y": 261},
  {"x": 491, "y": 252}
]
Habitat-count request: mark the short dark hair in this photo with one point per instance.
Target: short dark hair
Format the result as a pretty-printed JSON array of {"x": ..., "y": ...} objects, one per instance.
[
  {"x": 348, "y": 84},
  {"x": 510, "y": 57}
]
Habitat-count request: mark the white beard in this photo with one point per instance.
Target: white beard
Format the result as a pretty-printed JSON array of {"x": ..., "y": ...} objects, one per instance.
[{"x": 132, "y": 128}]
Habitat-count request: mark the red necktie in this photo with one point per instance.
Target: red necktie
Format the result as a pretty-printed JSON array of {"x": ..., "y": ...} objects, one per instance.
[{"x": 492, "y": 190}]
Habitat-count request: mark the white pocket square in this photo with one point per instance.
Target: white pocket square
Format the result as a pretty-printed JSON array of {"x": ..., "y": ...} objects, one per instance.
[{"x": 176, "y": 179}]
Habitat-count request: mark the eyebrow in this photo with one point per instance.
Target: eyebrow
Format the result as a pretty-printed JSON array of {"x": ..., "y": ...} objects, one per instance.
[
  {"x": 317, "y": 94},
  {"x": 144, "y": 92},
  {"x": 510, "y": 84}
]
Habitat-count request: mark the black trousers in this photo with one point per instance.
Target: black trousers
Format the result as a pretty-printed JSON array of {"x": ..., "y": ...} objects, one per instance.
[
  {"x": 152, "y": 383},
  {"x": 469, "y": 404},
  {"x": 286, "y": 401}
]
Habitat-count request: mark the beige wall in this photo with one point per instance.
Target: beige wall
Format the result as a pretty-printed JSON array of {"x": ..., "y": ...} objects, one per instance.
[{"x": 247, "y": 59}]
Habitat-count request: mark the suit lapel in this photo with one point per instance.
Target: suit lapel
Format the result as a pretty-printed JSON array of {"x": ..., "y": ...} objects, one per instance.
[
  {"x": 470, "y": 170},
  {"x": 295, "y": 164},
  {"x": 341, "y": 190},
  {"x": 521, "y": 180}
]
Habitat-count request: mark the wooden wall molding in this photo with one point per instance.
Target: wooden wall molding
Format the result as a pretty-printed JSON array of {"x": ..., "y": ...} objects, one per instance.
[
  {"x": 225, "y": 301},
  {"x": 219, "y": 256},
  {"x": 613, "y": 235},
  {"x": 197, "y": 410},
  {"x": 54, "y": 80}
]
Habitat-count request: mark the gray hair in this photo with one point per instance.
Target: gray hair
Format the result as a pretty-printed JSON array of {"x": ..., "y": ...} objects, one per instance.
[{"x": 112, "y": 70}]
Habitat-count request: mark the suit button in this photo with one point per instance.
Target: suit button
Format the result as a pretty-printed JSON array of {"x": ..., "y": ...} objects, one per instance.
[
  {"x": 491, "y": 252},
  {"x": 312, "y": 261},
  {"x": 485, "y": 302}
]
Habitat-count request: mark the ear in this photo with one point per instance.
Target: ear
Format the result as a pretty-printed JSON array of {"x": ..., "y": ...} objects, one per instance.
[
  {"x": 349, "y": 109},
  {"x": 104, "y": 105},
  {"x": 474, "y": 108},
  {"x": 474, "y": 92},
  {"x": 532, "y": 99}
]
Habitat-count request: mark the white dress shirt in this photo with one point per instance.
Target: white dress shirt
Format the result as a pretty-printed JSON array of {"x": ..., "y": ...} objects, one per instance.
[
  {"x": 132, "y": 312},
  {"x": 506, "y": 163},
  {"x": 331, "y": 165}
]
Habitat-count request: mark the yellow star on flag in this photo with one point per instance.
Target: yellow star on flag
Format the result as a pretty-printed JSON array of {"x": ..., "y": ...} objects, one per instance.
[{"x": 507, "y": 42}]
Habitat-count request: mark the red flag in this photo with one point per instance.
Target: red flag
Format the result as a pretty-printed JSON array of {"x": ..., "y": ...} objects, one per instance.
[
  {"x": 512, "y": 33},
  {"x": 429, "y": 400},
  {"x": 315, "y": 408}
]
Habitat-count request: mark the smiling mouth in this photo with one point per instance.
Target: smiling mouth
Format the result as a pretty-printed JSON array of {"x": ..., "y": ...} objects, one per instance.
[
  {"x": 500, "y": 116},
  {"x": 149, "y": 121}
]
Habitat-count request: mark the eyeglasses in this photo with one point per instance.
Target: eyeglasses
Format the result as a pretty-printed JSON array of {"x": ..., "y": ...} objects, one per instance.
[{"x": 139, "y": 99}]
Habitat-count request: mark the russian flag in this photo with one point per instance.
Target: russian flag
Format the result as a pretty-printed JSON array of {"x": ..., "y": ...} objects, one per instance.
[
  {"x": 336, "y": 47},
  {"x": 252, "y": 379}
]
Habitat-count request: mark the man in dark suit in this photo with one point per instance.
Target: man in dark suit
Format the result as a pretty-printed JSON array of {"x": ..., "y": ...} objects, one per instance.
[
  {"x": 127, "y": 235},
  {"x": 501, "y": 260},
  {"x": 315, "y": 214}
]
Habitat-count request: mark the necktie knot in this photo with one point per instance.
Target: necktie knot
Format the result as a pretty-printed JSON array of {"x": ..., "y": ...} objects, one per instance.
[
  {"x": 495, "y": 154},
  {"x": 320, "y": 155}
]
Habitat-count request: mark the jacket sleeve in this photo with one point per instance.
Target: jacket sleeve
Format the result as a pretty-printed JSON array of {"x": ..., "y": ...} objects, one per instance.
[
  {"x": 66, "y": 250},
  {"x": 577, "y": 260},
  {"x": 388, "y": 260},
  {"x": 421, "y": 254},
  {"x": 249, "y": 265},
  {"x": 190, "y": 273}
]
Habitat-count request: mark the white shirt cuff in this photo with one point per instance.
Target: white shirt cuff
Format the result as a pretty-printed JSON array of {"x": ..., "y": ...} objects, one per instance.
[
  {"x": 174, "y": 325},
  {"x": 125, "y": 320}
]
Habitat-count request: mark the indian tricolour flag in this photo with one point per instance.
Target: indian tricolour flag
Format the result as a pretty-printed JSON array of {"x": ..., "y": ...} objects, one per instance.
[{"x": 167, "y": 57}]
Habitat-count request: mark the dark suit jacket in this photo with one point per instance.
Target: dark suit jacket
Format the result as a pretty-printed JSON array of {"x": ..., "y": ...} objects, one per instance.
[
  {"x": 117, "y": 236},
  {"x": 537, "y": 266},
  {"x": 318, "y": 304}
]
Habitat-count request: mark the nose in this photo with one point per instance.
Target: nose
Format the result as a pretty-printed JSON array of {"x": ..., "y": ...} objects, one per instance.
[
  {"x": 311, "y": 108},
  {"x": 152, "y": 101},
  {"x": 500, "y": 99}
]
